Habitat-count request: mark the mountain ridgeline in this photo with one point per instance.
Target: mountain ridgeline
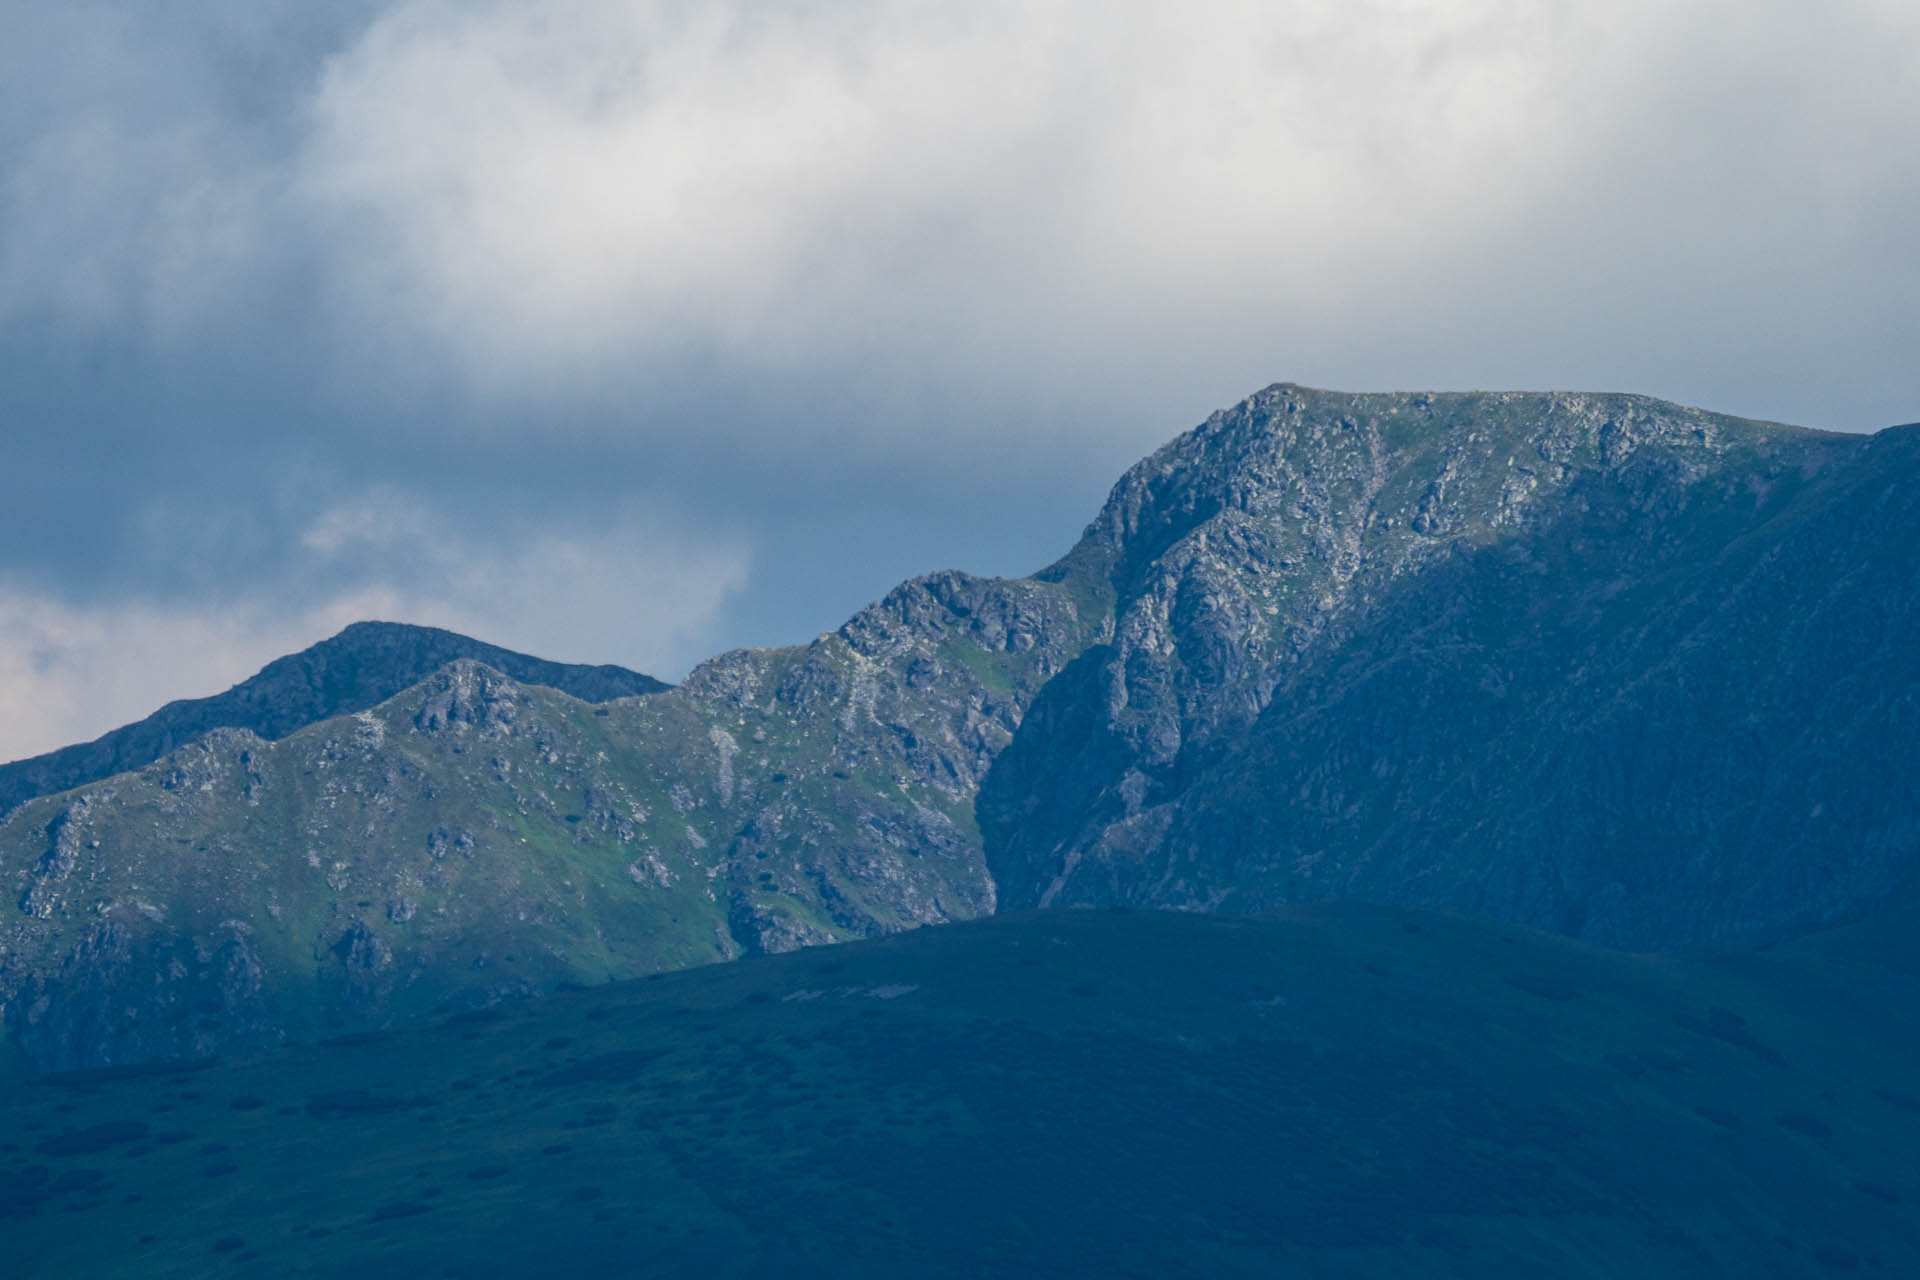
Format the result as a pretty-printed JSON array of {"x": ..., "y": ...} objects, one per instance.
[
  {"x": 1634, "y": 673},
  {"x": 1631, "y": 673},
  {"x": 361, "y": 667}
]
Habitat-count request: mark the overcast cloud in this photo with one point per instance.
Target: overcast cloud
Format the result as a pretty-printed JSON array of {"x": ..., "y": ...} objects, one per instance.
[{"x": 622, "y": 330}]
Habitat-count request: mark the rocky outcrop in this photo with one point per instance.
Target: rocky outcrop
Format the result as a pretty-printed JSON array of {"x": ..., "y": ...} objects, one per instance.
[
  {"x": 64, "y": 836},
  {"x": 840, "y": 778}
]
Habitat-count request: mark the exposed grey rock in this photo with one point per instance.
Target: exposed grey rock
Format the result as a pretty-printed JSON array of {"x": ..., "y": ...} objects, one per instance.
[
  {"x": 1592, "y": 663},
  {"x": 44, "y": 879},
  {"x": 364, "y": 962}
]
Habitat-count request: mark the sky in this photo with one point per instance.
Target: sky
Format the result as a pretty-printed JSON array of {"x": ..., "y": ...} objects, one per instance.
[{"x": 633, "y": 330}]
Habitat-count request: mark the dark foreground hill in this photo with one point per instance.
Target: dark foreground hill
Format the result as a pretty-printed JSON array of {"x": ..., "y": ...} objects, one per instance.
[
  {"x": 1334, "y": 1092},
  {"x": 361, "y": 667}
]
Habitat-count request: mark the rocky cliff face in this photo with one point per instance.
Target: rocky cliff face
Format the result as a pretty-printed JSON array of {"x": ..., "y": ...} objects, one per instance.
[
  {"x": 1598, "y": 664},
  {"x": 1621, "y": 669},
  {"x": 361, "y": 667}
]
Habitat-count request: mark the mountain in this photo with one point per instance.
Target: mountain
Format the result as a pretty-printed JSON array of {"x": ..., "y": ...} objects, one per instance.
[
  {"x": 474, "y": 838},
  {"x": 1592, "y": 663},
  {"x": 1334, "y": 1091},
  {"x": 361, "y": 667},
  {"x": 1596, "y": 664}
]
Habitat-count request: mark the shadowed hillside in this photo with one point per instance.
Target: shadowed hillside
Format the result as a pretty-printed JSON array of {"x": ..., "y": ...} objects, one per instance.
[
  {"x": 1674, "y": 703},
  {"x": 1333, "y": 1092}
]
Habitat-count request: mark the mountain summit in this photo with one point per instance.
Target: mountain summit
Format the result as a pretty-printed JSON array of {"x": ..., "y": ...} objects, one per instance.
[
  {"x": 1599, "y": 664},
  {"x": 363, "y": 666},
  {"x": 1595, "y": 663}
]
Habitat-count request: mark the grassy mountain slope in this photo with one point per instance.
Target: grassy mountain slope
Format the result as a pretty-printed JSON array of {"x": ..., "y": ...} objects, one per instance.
[
  {"x": 361, "y": 667},
  {"x": 1335, "y": 1091},
  {"x": 474, "y": 838}
]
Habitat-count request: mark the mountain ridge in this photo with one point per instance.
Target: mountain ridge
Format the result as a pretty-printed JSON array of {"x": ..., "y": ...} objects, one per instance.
[
  {"x": 1607, "y": 544},
  {"x": 965, "y": 744},
  {"x": 363, "y": 664}
]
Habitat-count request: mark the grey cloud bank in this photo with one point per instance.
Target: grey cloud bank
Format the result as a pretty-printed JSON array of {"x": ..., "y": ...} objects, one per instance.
[{"x": 623, "y": 331}]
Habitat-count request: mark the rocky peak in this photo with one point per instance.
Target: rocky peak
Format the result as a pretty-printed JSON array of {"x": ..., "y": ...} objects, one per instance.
[
  {"x": 1236, "y": 546},
  {"x": 1351, "y": 605},
  {"x": 465, "y": 696}
]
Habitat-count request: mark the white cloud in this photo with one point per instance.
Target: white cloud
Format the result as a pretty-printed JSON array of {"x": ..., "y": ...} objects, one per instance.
[
  {"x": 590, "y": 198},
  {"x": 637, "y": 591},
  {"x": 547, "y": 191},
  {"x": 554, "y": 194},
  {"x": 640, "y": 596}
]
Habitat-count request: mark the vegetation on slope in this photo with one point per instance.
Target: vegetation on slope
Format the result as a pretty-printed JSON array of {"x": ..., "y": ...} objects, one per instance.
[
  {"x": 1336, "y": 1091},
  {"x": 475, "y": 838}
]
